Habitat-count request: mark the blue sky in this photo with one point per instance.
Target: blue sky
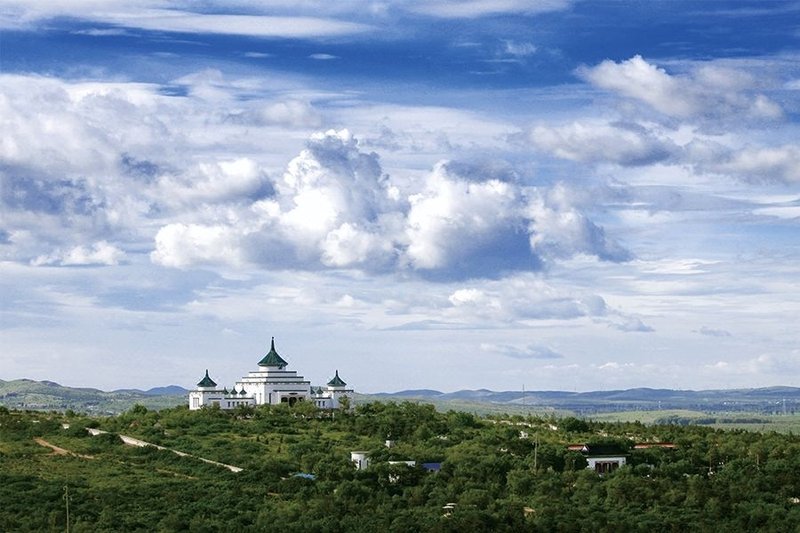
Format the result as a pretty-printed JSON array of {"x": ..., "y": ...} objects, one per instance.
[{"x": 558, "y": 194}]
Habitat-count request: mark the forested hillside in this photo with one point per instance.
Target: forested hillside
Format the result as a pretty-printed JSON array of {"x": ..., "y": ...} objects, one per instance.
[{"x": 496, "y": 474}]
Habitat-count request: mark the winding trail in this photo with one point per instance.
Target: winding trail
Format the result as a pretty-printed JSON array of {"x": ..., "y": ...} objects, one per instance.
[
  {"x": 60, "y": 451},
  {"x": 132, "y": 441}
]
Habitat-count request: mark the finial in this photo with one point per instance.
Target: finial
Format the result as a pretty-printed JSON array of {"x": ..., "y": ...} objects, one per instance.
[
  {"x": 273, "y": 343},
  {"x": 206, "y": 372}
]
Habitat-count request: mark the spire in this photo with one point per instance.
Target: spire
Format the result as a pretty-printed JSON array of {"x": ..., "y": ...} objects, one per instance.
[
  {"x": 337, "y": 381},
  {"x": 206, "y": 381},
  {"x": 272, "y": 358}
]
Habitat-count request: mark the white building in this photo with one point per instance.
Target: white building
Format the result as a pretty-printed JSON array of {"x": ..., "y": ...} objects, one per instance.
[
  {"x": 334, "y": 391},
  {"x": 207, "y": 394},
  {"x": 360, "y": 459},
  {"x": 271, "y": 384},
  {"x": 602, "y": 458}
]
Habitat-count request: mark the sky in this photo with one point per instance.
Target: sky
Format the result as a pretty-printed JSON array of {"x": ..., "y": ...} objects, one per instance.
[{"x": 549, "y": 194}]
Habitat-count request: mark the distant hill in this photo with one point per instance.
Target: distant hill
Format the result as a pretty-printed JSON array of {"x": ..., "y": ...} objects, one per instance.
[
  {"x": 170, "y": 390},
  {"x": 49, "y": 395},
  {"x": 759, "y": 400}
]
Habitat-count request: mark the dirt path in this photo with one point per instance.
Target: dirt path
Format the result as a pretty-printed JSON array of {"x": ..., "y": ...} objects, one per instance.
[
  {"x": 131, "y": 441},
  {"x": 60, "y": 451}
]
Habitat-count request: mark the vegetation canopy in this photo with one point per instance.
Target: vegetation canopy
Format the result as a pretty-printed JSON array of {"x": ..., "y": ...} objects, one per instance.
[{"x": 451, "y": 471}]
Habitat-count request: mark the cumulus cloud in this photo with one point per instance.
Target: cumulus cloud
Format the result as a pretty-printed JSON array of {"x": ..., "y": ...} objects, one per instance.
[
  {"x": 460, "y": 221},
  {"x": 219, "y": 181},
  {"x": 291, "y": 112},
  {"x": 99, "y": 254},
  {"x": 558, "y": 229},
  {"x": 89, "y": 161},
  {"x": 598, "y": 142},
  {"x": 183, "y": 245},
  {"x": 128, "y": 164},
  {"x": 334, "y": 207},
  {"x": 708, "y": 91}
]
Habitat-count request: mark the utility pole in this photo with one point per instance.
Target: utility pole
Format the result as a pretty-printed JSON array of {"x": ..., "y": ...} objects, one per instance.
[
  {"x": 536, "y": 453},
  {"x": 66, "y": 502}
]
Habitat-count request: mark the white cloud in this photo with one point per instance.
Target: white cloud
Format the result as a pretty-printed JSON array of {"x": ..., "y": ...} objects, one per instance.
[
  {"x": 292, "y": 112},
  {"x": 122, "y": 161},
  {"x": 469, "y": 297},
  {"x": 348, "y": 245},
  {"x": 323, "y": 57},
  {"x": 519, "y": 298},
  {"x": 709, "y": 91},
  {"x": 631, "y": 324},
  {"x": 161, "y": 15},
  {"x": 519, "y": 49},
  {"x": 92, "y": 160},
  {"x": 219, "y": 181},
  {"x": 712, "y": 332},
  {"x": 560, "y": 230},
  {"x": 453, "y": 218},
  {"x": 530, "y": 351},
  {"x": 183, "y": 245},
  {"x": 763, "y": 164},
  {"x": 482, "y": 8},
  {"x": 594, "y": 142},
  {"x": 99, "y": 254},
  {"x": 334, "y": 207}
]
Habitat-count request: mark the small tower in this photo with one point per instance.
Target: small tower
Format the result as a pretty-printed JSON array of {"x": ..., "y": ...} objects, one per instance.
[
  {"x": 337, "y": 389},
  {"x": 205, "y": 394}
]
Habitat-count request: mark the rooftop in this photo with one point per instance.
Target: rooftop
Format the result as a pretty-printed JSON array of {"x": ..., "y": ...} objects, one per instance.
[
  {"x": 337, "y": 381},
  {"x": 272, "y": 358},
  {"x": 206, "y": 381}
]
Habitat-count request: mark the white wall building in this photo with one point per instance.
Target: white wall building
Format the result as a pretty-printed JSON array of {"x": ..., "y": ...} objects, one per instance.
[
  {"x": 360, "y": 459},
  {"x": 271, "y": 384},
  {"x": 207, "y": 394}
]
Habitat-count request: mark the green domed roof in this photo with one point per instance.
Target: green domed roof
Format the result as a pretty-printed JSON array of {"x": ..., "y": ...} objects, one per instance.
[
  {"x": 337, "y": 381},
  {"x": 272, "y": 358},
  {"x": 206, "y": 381}
]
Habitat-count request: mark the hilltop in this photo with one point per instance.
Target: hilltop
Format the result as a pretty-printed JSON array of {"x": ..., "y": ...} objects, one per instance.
[{"x": 49, "y": 395}]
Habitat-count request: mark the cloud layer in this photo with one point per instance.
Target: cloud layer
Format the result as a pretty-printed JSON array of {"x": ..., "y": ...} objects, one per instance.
[
  {"x": 334, "y": 207},
  {"x": 434, "y": 190}
]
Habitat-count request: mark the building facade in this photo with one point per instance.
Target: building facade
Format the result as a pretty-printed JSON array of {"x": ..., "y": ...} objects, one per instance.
[{"x": 270, "y": 384}]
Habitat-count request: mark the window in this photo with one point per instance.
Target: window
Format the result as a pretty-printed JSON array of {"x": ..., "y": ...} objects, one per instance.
[{"x": 604, "y": 467}]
